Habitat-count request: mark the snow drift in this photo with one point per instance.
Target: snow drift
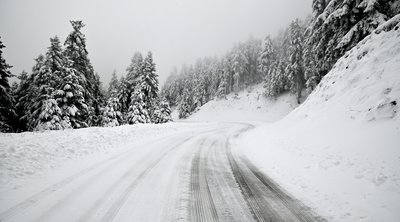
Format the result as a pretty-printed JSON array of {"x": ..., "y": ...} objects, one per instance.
[
  {"x": 339, "y": 151},
  {"x": 249, "y": 105}
]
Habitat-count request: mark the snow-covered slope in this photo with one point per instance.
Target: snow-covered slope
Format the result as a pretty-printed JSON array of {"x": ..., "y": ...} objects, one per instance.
[
  {"x": 248, "y": 105},
  {"x": 340, "y": 150}
]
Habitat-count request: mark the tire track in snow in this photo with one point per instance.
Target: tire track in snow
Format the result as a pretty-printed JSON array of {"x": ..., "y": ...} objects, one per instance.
[
  {"x": 90, "y": 181},
  {"x": 50, "y": 190},
  {"x": 301, "y": 211},
  {"x": 35, "y": 198},
  {"x": 229, "y": 200},
  {"x": 261, "y": 211},
  {"x": 203, "y": 208},
  {"x": 266, "y": 200},
  {"x": 119, "y": 202}
]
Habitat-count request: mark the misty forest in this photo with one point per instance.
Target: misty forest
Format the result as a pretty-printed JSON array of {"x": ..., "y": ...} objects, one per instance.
[
  {"x": 301, "y": 125},
  {"x": 63, "y": 91}
]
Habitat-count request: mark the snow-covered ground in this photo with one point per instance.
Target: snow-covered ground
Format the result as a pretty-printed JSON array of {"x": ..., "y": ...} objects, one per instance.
[
  {"x": 250, "y": 105},
  {"x": 171, "y": 172},
  {"x": 339, "y": 152},
  {"x": 30, "y": 156}
]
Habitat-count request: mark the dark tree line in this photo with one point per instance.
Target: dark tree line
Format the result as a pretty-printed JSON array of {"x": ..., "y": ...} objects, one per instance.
[
  {"x": 63, "y": 91},
  {"x": 295, "y": 60}
]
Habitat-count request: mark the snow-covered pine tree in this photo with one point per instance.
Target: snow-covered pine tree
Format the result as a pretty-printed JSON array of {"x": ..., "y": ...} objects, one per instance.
[
  {"x": 113, "y": 86},
  {"x": 277, "y": 82},
  {"x": 149, "y": 83},
  {"x": 95, "y": 113},
  {"x": 311, "y": 76},
  {"x": 70, "y": 97},
  {"x": 267, "y": 57},
  {"x": 21, "y": 99},
  {"x": 46, "y": 115},
  {"x": 7, "y": 112},
  {"x": 45, "y": 83},
  {"x": 133, "y": 78},
  {"x": 251, "y": 50},
  {"x": 268, "y": 63},
  {"x": 170, "y": 89},
  {"x": 165, "y": 112},
  {"x": 135, "y": 71},
  {"x": 137, "y": 112},
  {"x": 111, "y": 115},
  {"x": 28, "y": 97},
  {"x": 50, "y": 117},
  {"x": 238, "y": 67},
  {"x": 337, "y": 26},
  {"x": 75, "y": 50},
  {"x": 186, "y": 105},
  {"x": 123, "y": 96},
  {"x": 295, "y": 67},
  {"x": 222, "y": 88}
]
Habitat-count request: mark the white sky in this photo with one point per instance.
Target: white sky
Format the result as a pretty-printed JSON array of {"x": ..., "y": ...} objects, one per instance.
[{"x": 176, "y": 31}]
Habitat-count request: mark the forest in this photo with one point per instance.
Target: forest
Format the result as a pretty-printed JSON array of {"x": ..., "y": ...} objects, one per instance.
[
  {"x": 63, "y": 91},
  {"x": 293, "y": 61}
]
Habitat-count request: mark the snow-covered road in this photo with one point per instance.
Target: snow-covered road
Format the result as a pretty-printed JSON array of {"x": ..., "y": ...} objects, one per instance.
[{"x": 181, "y": 177}]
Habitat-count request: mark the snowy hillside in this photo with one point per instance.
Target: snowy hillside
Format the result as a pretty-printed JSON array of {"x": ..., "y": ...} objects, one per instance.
[
  {"x": 249, "y": 105},
  {"x": 339, "y": 151}
]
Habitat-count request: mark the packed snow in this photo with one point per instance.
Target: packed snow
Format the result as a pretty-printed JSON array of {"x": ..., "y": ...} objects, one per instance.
[{"x": 339, "y": 151}]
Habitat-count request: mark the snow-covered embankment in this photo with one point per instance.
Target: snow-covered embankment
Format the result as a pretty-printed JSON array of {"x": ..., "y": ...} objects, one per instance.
[{"x": 339, "y": 152}]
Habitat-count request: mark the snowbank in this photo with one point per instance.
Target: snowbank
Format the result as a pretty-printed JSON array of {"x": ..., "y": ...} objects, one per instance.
[
  {"x": 29, "y": 155},
  {"x": 340, "y": 150},
  {"x": 249, "y": 105}
]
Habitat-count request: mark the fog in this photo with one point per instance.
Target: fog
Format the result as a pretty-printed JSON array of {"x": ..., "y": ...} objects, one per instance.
[{"x": 176, "y": 31}]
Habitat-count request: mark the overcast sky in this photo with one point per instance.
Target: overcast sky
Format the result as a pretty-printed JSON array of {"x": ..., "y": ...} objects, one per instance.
[{"x": 176, "y": 31}]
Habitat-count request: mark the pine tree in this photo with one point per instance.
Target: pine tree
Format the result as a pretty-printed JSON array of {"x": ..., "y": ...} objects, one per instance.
[
  {"x": 137, "y": 112},
  {"x": 238, "y": 67},
  {"x": 111, "y": 115},
  {"x": 135, "y": 71},
  {"x": 28, "y": 100},
  {"x": 295, "y": 67},
  {"x": 170, "y": 90},
  {"x": 134, "y": 78},
  {"x": 149, "y": 82},
  {"x": 123, "y": 95},
  {"x": 75, "y": 50},
  {"x": 113, "y": 86},
  {"x": 50, "y": 117},
  {"x": 98, "y": 102},
  {"x": 338, "y": 25},
  {"x": 22, "y": 100},
  {"x": 7, "y": 112},
  {"x": 46, "y": 115},
  {"x": 267, "y": 57},
  {"x": 70, "y": 97},
  {"x": 186, "y": 104},
  {"x": 163, "y": 113}
]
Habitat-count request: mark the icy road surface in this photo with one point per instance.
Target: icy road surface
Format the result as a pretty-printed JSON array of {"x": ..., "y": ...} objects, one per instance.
[{"x": 184, "y": 177}]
